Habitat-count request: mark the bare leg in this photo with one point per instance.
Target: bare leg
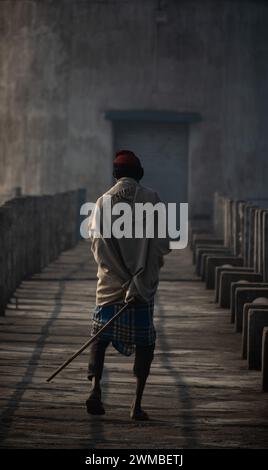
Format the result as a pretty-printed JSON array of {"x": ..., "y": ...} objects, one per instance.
[
  {"x": 95, "y": 368},
  {"x": 96, "y": 387},
  {"x": 136, "y": 410},
  {"x": 143, "y": 359}
]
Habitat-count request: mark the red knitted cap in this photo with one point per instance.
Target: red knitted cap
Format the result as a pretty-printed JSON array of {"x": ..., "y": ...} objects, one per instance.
[{"x": 126, "y": 157}]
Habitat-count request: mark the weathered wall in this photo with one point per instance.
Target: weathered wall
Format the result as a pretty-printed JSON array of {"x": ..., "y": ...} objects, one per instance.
[{"x": 64, "y": 63}]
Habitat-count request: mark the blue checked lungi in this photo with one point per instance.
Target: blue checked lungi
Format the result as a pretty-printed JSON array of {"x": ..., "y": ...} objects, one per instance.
[{"x": 134, "y": 327}]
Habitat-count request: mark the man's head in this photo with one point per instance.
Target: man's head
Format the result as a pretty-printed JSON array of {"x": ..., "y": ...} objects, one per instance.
[{"x": 126, "y": 163}]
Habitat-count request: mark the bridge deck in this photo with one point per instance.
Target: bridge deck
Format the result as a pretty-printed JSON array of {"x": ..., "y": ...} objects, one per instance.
[{"x": 199, "y": 394}]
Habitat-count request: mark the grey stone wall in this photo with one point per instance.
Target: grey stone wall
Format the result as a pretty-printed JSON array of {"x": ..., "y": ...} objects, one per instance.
[{"x": 64, "y": 63}]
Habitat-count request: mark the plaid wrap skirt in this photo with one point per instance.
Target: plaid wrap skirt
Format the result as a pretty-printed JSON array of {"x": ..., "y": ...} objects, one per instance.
[{"x": 134, "y": 327}]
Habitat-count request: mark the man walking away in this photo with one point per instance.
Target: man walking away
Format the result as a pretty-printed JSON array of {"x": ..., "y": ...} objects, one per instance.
[{"x": 118, "y": 260}]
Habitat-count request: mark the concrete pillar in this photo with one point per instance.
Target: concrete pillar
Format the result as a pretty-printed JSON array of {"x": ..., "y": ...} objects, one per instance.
[
  {"x": 261, "y": 304},
  {"x": 257, "y": 320},
  {"x": 265, "y": 246},
  {"x": 234, "y": 275},
  {"x": 216, "y": 261},
  {"x": 253, "y": 215},
  {"x": 265, "y": 360},
  {"x": 246, "y": 295}
]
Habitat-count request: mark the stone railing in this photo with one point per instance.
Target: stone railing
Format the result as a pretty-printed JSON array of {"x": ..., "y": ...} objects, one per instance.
[
  {"x": 12, "y": 193},
  {"x": 233, "y": 260},
  {"x": 34, "y": 230}
]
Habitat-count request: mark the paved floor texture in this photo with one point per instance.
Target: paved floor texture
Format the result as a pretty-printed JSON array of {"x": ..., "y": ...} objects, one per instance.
[{"x": 199, "y": 394}]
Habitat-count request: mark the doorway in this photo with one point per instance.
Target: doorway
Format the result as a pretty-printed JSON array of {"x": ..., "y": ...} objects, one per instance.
[{"x": 163, "y": 150}]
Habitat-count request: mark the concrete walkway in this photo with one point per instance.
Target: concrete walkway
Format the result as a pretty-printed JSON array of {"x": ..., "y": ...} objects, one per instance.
[{"x": 199, "y": 394}]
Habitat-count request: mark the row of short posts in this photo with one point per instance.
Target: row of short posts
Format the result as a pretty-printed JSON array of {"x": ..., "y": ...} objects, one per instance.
[
  {"x": 34, "y": 230},
  {"x": 231, "y": 257}
]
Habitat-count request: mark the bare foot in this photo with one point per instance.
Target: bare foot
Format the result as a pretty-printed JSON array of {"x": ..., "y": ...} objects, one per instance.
[
  {"x": 137, "y": 413},
  {"x": 94, "y": 404}
]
